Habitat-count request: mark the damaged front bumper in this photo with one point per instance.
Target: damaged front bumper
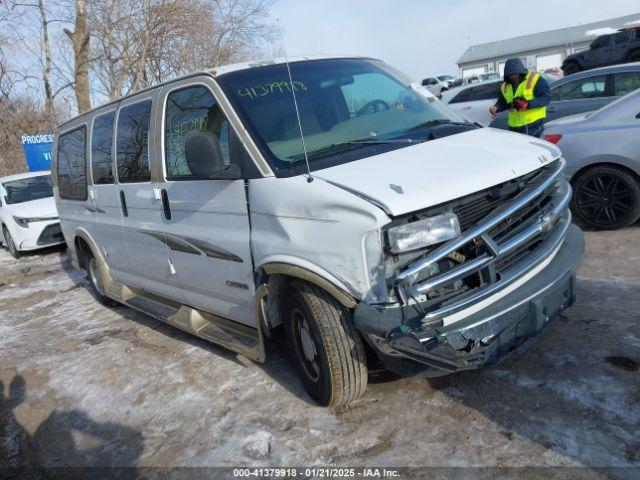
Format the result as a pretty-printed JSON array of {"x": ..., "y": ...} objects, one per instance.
[{"x": 505, "y": 327}]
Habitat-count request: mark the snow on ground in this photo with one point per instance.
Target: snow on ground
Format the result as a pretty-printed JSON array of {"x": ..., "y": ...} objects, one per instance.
[{"x": 83, "y": 384}]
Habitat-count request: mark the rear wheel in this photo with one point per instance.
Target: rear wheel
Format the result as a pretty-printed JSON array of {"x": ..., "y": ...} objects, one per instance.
[
  {"x": 571, "y": 68},
  {"x": 606, "y": 198},
  {"x": 93, "y": 274},
  {"x": 327, "y": 352},
  {"x": 9, "y": 243}
]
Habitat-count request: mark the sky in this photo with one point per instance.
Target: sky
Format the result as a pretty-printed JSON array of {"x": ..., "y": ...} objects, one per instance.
[{"x": 426, "y": 37}]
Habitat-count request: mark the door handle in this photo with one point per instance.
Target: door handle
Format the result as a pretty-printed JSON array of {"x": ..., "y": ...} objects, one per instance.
[
  {"x": 165, "y": 204},
  {"x": 123, "y": 204}
]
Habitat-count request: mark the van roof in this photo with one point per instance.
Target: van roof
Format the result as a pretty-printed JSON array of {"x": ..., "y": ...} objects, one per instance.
[{"x": 216, "y": 72}]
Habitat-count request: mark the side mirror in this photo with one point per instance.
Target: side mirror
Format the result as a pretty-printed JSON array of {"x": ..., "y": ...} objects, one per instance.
[
  {"x": 204, "y": 156},
  {"x": 638, "y": 115}
]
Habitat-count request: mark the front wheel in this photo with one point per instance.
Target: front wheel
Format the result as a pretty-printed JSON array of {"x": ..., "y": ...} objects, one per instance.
[
  {"x": 10, "y": 244},
  {"x": 606, "y": 198},
  {"x": 327, "y": 352}
]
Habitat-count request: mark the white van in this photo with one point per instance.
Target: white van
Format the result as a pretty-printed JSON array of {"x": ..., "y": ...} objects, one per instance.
[{"x": 329, "y": 198}]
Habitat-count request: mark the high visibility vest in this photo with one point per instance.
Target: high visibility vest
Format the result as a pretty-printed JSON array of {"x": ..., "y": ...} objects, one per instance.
[{"x": 524, "y": 90}]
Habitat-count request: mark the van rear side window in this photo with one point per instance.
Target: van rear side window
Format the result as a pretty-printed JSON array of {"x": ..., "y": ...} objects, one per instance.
[
  {"x": 72, "y": 170},
  {"x": 132, "y": 147},
  {"x": 101, "y": 146}
]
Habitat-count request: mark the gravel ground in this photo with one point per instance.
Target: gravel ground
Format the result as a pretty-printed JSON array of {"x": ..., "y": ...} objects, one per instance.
[{"x": 82, "y": 384}]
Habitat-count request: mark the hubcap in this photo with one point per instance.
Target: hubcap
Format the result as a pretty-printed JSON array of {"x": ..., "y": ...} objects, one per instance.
[
  {"x": 605, "y": 200},
  {"x": 305, "y": 345},
  {"x": 94, "y": 276}
]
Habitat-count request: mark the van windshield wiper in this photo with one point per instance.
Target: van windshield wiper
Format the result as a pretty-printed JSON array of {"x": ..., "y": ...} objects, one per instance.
[
  {"x": 438, "y": 122},
  {"x": 340, "y": 145}
]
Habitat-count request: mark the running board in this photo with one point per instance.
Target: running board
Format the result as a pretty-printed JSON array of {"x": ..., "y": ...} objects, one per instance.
[{"x": 237, "y": 337}]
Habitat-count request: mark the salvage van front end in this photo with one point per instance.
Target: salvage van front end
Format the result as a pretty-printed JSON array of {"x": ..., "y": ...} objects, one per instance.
[{"x": 434, "y": 289}]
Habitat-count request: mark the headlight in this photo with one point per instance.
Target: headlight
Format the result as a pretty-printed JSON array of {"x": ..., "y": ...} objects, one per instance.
[
  {"x": 423, "y": 233},
  {"x": 24, "y": 222}
]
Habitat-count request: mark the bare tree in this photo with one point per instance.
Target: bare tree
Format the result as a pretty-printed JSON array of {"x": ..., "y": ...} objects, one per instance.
[
  {"x": 80, "y": 39},
  {"x": 140, "y": 43}
]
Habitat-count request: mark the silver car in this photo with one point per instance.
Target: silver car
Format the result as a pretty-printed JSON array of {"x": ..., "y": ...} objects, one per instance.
[{"x": 602, "y": 150}]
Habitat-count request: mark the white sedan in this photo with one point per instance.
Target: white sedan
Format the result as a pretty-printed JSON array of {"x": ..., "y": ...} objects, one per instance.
[
  {"x": 472, "y": 102},
  {"x": 28, "y": 215}
]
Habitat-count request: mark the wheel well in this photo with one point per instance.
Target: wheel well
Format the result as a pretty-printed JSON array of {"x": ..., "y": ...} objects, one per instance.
[
  {"x": 277, "y": 283},
  {"x": 584, "y": 169}
]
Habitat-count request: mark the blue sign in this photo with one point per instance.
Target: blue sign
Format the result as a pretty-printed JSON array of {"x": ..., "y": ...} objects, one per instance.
[{"x": 37, "y": 151}]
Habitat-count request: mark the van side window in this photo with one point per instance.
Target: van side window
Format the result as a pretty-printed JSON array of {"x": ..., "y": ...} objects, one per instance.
[
  {"x": 101, "y": 146},
  {"x": 132, "y": 149},
  {"x": 191, "y": 110},
  {"x": 72, "y": 171}
]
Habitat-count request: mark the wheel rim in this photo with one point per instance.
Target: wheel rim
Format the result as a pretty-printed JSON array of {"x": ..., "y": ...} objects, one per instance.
[
  {"x": 95, "y": 279},
  {"x": 305, "y": 345},
  {"x": 605, "y": 200}
]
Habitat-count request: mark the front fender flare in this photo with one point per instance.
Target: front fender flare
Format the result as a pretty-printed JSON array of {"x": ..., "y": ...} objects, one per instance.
[{"x": 339, "y": 293}]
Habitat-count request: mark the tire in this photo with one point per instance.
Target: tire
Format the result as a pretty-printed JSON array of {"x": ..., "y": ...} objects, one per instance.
[
  {"x": 634, "y": 56},
  {"x": 606, "y": 198},
  {"x": 8, "y": 242},
  {"x": 89, "y": 263},
  {"x": 571, "y": 68},
  {"x": 317, "y": 325}
]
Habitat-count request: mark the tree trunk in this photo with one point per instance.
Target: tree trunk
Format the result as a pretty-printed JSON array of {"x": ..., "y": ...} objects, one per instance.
[
  {"x": 46, "y": 71},
  {"x": 80, "y": 40}
]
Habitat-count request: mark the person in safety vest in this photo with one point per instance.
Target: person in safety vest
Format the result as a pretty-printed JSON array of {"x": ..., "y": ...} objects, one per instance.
[{"x": 526, "y": 95}]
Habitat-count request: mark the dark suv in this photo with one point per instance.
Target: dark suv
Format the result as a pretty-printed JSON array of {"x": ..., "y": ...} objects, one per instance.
[{"x": 611, "y": 49}]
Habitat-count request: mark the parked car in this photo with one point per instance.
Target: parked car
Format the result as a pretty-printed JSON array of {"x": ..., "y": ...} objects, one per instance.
[
  {"x": 392, "y": 228},
  {"x": 472, "y": 102},
  {"x": 610, "y": 49},
  {"x": 28, "y": 216},
  {"x": 447, "y": 80},
  {"x": 586, "y": 91},
  {"x": 602, "y": 150},
  {"x": 434, "y": 85}
]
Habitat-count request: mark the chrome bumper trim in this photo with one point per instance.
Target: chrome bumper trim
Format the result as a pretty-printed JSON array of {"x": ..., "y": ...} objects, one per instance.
[{"x": 410, "y": 275}]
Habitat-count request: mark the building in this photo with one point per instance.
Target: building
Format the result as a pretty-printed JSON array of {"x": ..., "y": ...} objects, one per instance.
[{"x": 539, "y": 51}]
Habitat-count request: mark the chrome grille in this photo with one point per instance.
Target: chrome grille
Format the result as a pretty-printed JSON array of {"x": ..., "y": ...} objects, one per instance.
[{"x": 497, "y": 239}]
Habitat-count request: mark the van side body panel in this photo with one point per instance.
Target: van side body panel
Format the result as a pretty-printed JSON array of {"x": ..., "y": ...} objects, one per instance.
[{"x": 318, "y": 227}]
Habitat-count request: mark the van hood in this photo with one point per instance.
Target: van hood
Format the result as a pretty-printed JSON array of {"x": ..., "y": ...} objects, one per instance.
[
  {"x": 437, "y": 171},
  {"x": 41, "y": 208}
]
